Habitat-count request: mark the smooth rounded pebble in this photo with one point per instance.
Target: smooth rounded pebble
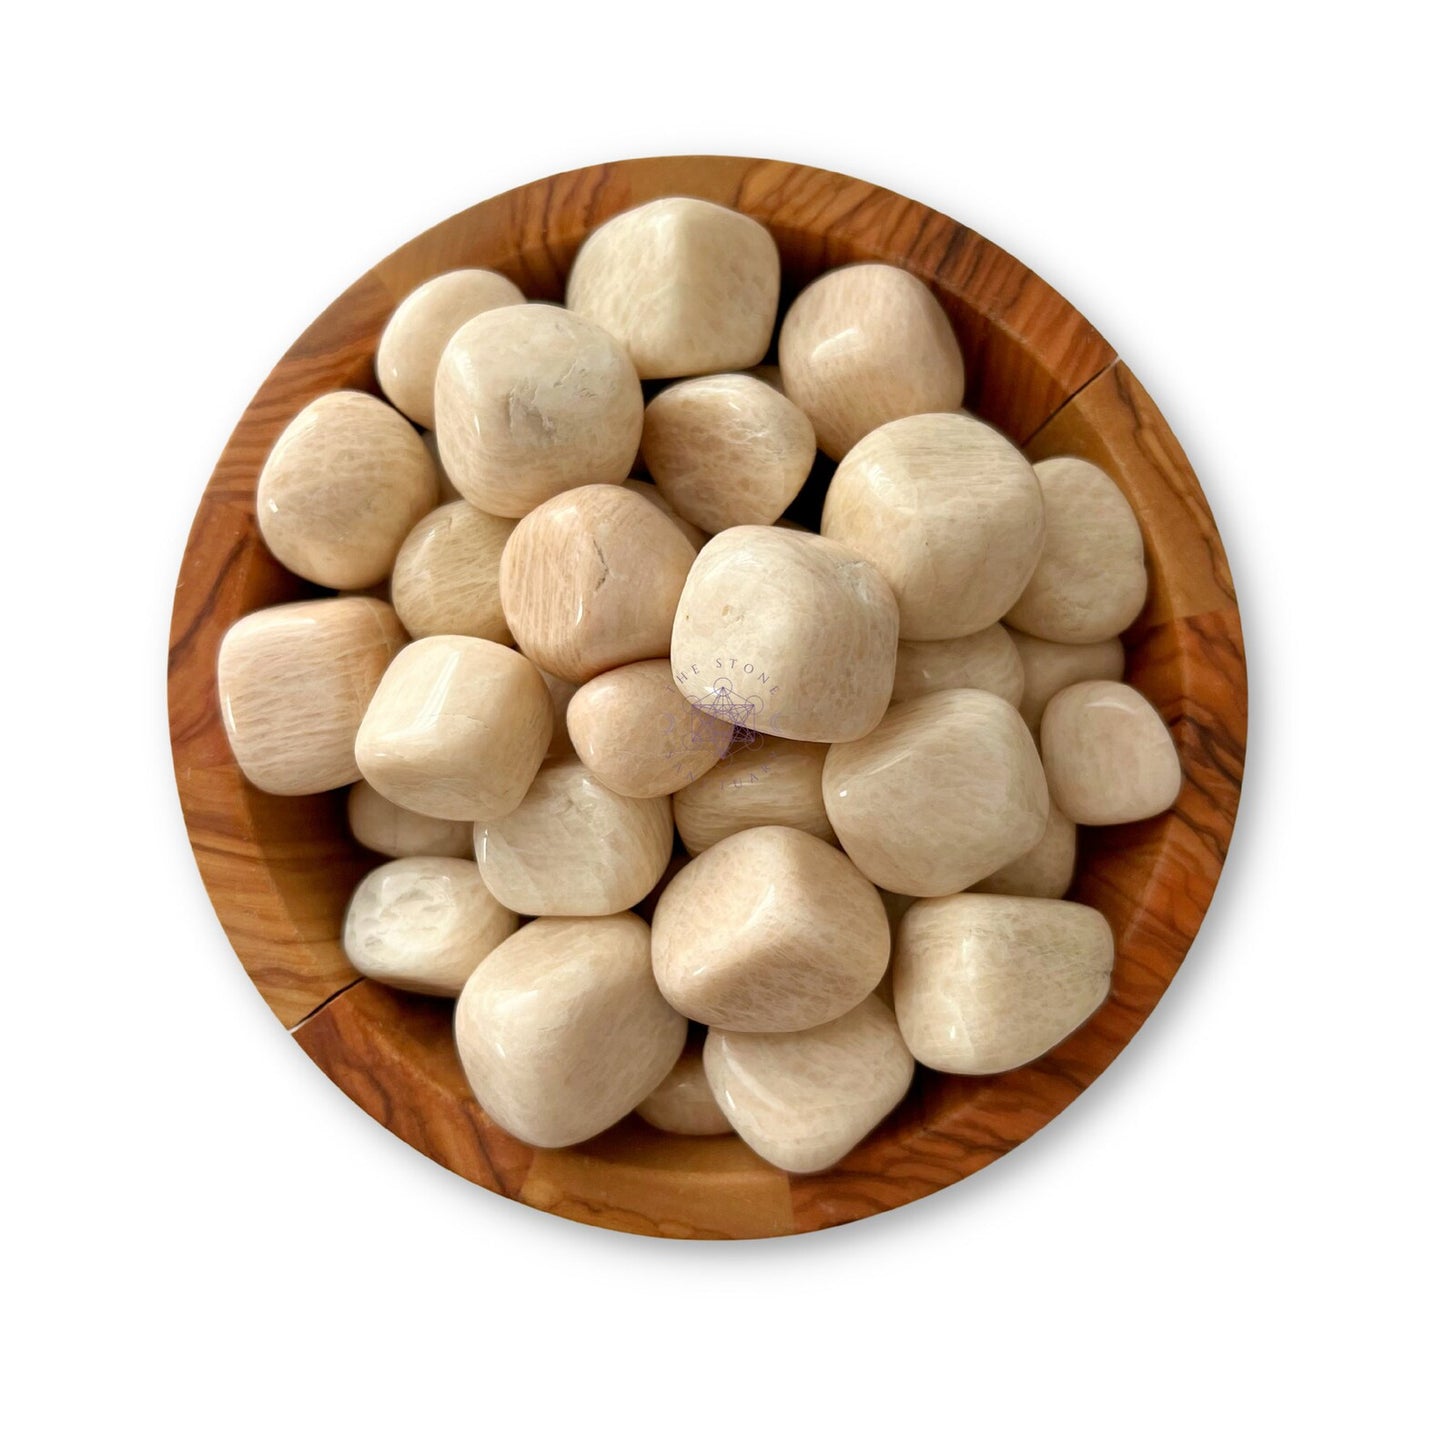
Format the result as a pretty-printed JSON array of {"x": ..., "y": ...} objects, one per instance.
[
  {"x": 531, "y": 401},
  {"x": 727, "y": 451},
  {"x": 574, "y": 848},
  {"x": 1108, "y": 755},
  {"x": 986, "y": 660},
  {"x": 562, "y": 1031},
  {"x": 413, "y": 340},
  {"x": 985, "y": 984},
  {"x": 865, "y": 345},
  {"x": 803, "y": 1100},
  {"x": 446, "y": 491},
  {"x": 379, "y": 824},
  {"x": 1090, "y": 581},
  {"x": 949, "y": 511},
  {"x": 649, "y": 493},
  {"x": 947, "y": 789},
  {"x": 683, "y": 1103},
  {"x": 1050, "y": 667},
  {"x": 445, "y": 578},
  {"x": 423, "y": 924},
  {"x": 344, "y": 484},
  {"x": 768, "y": 931},
  {"x": 1045, "y": 871}
]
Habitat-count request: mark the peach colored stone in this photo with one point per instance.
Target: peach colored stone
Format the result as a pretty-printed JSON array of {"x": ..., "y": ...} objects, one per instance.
[
  {"x": 986, "y": 660},
  {"x": 949, "y": 511},
  {"x": 987, "y": 984},
  {"x": 446, "y": 491},
  {"x": 377, "y": 823},
  {"x": 344, "y": 484},
  {"x": 1045, "y": 871},
  {"x": 562, "y": 1031},
  {"x": 864, "y": 345},
  {"x": 649, "y": 493},
  {"x": 445, "y": 578},
  {"x": 683, "y": 1103},
  {"x": 768, "y": 931},
  {"x": 687, "y": 286},
  {"x": 947, "y": 789},
  {"x": 786, "y": 633},
  {"x": 1052, "y": 666}
]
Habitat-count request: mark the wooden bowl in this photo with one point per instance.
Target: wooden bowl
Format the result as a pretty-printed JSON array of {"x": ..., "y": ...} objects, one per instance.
[{"x": 280, "y": 870}]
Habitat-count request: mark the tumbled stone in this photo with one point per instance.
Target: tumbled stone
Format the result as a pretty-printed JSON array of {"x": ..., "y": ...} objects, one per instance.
[
  {"x": 1050, "y": 667},
  {"x": 379, "y": 824},
  {"x": 649, "y": 493},
  {"x": 445, "y": 578},
  {"x": 1045, "y": 871},
  {"x": 683, "y": 1103},
  {"x": 986, "y": 660}
]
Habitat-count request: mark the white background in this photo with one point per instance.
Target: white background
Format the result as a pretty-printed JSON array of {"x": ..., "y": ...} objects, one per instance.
[{"x": 1235, "y": 1234}]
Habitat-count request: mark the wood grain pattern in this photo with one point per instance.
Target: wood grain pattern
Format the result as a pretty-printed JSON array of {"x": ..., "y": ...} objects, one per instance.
[{"x": 280, "y": 870}]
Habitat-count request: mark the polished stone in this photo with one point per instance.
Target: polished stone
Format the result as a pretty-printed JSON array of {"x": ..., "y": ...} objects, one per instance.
[
  {"x": 1045, "y": 871},
  {"x": 1051, "y": 666},
  {"x": 379, "y": 824},
  {"x": 649, "y": 493},
  {"x": 683, "y": 1103},
  {"x": 986, "y": 660},
  {"x": 445, "y": 578}
]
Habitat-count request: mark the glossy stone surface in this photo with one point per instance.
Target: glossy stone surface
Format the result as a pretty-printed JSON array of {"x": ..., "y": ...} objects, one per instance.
[
  {"x": 379, "y": 824},
  {"x": 947, "y": 789},
  {"x": 683, "y": 1103},
  {"x": 786, "y": 633},
  {"x": 986, "y": 660},
  {"x": 727, "y": 451},
  {"x": 562, "y": 1031},
  {"x": 768, "y": 931},
  {"x": 649, "y": 493},
  {"x": 445, "y": 578},
  {"x": 687, "y": 286},
  {"x": 344, "y": 484},
  {"x": 985, "y": 984},
  {"x": 1045, "y": 871},
  {"x": 423, "y": 924},
  {"x": 803, "y": 1100},
  {"x": 1052, "y": 666},
  {"x": 763, "y": 781},
  {"x": 457, "y": 729},
  {"x": 949, "y": 511},
  {"x": 1090, "y": 581},
  {"x": 294, "y": 683},
  {"x": 574, "y": 848},
  {"x": 1108, "y": 755},
  {"x": 591, "y": 580},
  {"x": 531, "y": 401},
  {"x": 413, "y": 340},
  {"x": 639, "y": 735},
  {"x": 864, "y": 345}
]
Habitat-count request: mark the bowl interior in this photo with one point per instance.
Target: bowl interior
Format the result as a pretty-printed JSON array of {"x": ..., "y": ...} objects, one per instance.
[{"x": 280, "y": 870}]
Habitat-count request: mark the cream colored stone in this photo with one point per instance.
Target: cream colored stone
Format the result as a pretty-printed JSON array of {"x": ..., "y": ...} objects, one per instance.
[
  {"x": 987, "y": 984},
  {"x": 727, "y": 451},
  {"x": 562, "y": 1031},
  {"x": 762, "y": 782},
  {"x": 864, "y": 345},
  {"x": 413, "y": 340},
  {"x": 445, "y": 578},
  {"x": 687, "y": 286},
  {"x": 1090, "y": 581},
  {"x": 649, "y": 493},
  {"x": 768, "y": 931},
  {"x": 1052, "y": 666},
  {"x": 950, "y": 513},
  {"x": 683, "y": 1103},
  {"x": 377, "y": 823},
  {"x": 786, "y": 633},
  {"x": 944, "y": 791},
  {"x": 574, "y": 848},
  {"x": 457, "y": 729},
  {"x": 294, "y": 684},
  {"x": 639, "y": 735},
  {"x": 986, "y": 660},
  {"x": 1045, "y": 871},
  {"x": 531, "y": 401},
  {"x": 591, "y": 580},
  {"x": 344, "y": 484},
  {"x": 446, "y": 490},
  {"x": 423, "y": 924},
  {"x": 1108, "y": 755},
  {"x": 803, "y": 1100}
]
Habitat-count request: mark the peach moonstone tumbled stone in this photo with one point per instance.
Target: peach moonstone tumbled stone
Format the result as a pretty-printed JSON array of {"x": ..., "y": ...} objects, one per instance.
[
  {"x": 986, "y": 984},
  {"x": 949, "y": 511},
  {"x": 423, "y": 924},
  {"x": 591, "y": 580},
  {"x": 947, "y": 789},
  {"x": 379, "y": 824},
  {"x": 445, "y": 578},
  {"x": 1050, "y": 667},
  {"x": 687, "y": 286},
  {"x": 574, "y": 848},
  {"x": 803, "y": 1100},
  {"x": 786, "y": 633},
  {"x": 561, "y": 1029},
  {"x": 986, "y": 659},
  {"x": 344, "y": 484},
  {"x": 1045, "y": 871},
  {"x": 865, "y": 345},
  {"x": 294, "y": 683},
  {"x": 530, "y": 401},
  {"x": 768, "y": 931},
  {"x": 1108, "y": 756},
  {"x": 683, "y": 1103},
  {"x": 457, "y": 729}
]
